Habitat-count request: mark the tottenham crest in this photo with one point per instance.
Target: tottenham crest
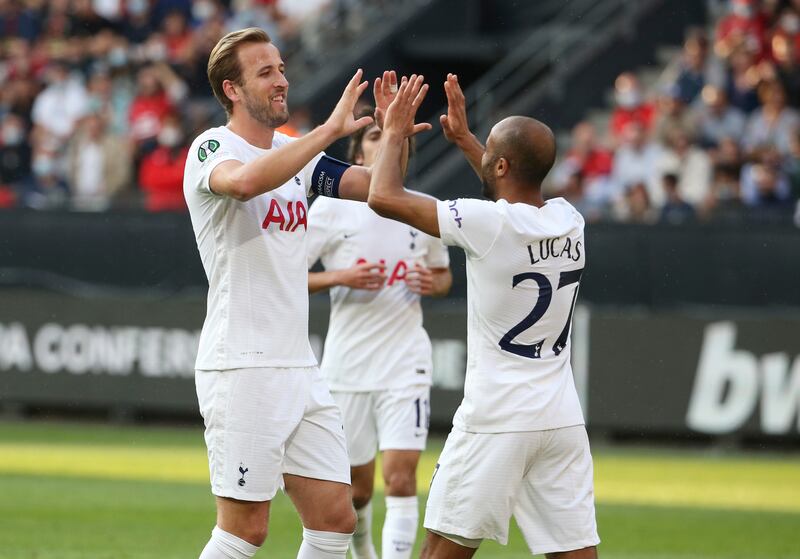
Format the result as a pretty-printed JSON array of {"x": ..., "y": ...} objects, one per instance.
[{"x": 207, "y": 148}]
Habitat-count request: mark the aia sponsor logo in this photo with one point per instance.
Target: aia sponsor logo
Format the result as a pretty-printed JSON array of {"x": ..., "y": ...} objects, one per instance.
[
  {"x": 285, "y": 218},
  {"x": 398, "y": 272}
]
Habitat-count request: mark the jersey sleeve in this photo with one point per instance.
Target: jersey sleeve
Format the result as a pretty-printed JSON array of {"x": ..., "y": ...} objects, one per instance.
[
  {"x": 308, "y": 174},
  {"x": 205, "y": 157},
  {"x": 321, "y": 224},
  {"x": 471, "y": 224}
]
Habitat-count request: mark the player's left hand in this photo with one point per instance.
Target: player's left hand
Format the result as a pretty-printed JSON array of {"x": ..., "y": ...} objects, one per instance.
[
  {"x": 402, "y": 110},
  {"x": 384, "y": 90},
  {"x": 341, "y": 122},
  {"x": 420, "y": 280}
]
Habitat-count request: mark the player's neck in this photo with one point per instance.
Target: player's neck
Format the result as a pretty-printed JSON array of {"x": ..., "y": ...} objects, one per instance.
[
  {"x": 521, "y": 194},
  {"x": 251, "y": 131}
]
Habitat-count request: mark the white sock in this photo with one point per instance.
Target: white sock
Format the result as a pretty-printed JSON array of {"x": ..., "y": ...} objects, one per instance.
[
  {"x": 362, "y": 546},
  {"x": 224, "y": 545},
  {"x": 323, "y": 545},
  {"x": 400, "y": 527}
]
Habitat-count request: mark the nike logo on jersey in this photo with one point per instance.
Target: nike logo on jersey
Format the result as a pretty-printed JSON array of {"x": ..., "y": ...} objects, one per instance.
[{"x": 347, "y": 236}]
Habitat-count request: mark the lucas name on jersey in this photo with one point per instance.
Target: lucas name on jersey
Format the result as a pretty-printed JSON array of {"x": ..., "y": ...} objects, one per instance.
[{"x": 545, "y": 249}]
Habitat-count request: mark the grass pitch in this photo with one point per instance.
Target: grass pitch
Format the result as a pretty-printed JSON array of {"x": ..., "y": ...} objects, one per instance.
[{"x": 82, "y": 491}]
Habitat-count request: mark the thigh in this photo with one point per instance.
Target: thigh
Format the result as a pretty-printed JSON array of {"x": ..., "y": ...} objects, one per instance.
[
  {"x": 359, "y": 425},
  {"x": 249, "y": 415},
  {"x": 402, "y": 416},
  {"x": 475, "y": 484},
  {"x": 322, "y": 505},
  {"x": 317, "y": 449},
  {"x": 555, "y": 509}
]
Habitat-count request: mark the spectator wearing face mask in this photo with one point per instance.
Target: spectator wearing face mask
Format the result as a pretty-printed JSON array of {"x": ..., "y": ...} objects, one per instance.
[
  {"x": 630, "y": 106},
  {"x": 45, "y": 189},
  {"x": 15, "y": 158},
  {"x": 161, "y": 172},
  {"x": 98, "y": 165}
]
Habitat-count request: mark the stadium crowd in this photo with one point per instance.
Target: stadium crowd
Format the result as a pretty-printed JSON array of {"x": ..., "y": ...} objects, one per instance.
[
  {"x": 101, "y": 98},
  {"x": 717, "y": 139}
]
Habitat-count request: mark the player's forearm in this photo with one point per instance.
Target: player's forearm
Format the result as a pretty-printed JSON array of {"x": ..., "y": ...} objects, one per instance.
[
  {"x": 386, "y": 185},
  {"x": 277, "y": 166},
  {"x": 320, "y": 281},
  {"x": 472, "y": 150},
  {"x": 442, "y": 281}
]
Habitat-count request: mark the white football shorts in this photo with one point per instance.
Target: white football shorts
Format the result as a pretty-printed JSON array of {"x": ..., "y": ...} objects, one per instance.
[
  {"x": 385, "y": 420},
  {"x": 541, "y": 478},
  {"x": 265, "y": 422}
]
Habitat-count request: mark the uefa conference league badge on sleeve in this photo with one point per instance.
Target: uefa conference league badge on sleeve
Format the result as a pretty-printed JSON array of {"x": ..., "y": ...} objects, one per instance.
[{"x": 206, "y": 149}]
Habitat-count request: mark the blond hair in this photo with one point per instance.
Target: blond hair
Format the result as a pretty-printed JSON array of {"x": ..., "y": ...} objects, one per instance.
[{"x": 223, "y": 63}]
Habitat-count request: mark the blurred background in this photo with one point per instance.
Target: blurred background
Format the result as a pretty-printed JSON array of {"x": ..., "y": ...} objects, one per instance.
[{"x": 679, "y": 141}]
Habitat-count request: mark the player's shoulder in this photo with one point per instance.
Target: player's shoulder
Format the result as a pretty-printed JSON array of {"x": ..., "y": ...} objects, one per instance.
[
  {"x": 562, "y": 209},
  {"x": 210, "y": 142}
]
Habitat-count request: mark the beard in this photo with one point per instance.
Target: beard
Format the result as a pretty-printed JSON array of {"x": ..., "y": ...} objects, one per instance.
[
  {"x": 487, "y": 181},
  {"x": 261, "y": 111}
]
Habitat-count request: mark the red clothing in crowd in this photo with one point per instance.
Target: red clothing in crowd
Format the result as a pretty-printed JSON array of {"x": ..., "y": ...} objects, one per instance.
[
  {"x": 161, "y": 179},
  {"x": 147, "y": 113},
  {"x": 596, "y": 163},
  {"x": 643, "y": 114},
  {"x": 754, "y": 29}
]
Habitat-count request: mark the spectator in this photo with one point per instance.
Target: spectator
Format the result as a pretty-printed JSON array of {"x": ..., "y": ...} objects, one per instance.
[
  {"x": 177, "y": 38},
  {"x": 723, "y": 202},
  {"x": 58, "y": 108},
  {"x": 635, "y": 206},
  {"x": 773, "y": 123},
  {"x": 98, "y": 165},
  {"x": 636, "y": 161},
  {"x": 159, "y": 90},
  {"x": 690, "y": 164},
  {"x": 672, "y": 115},
  {"x": 630, "y": 106},
  {"x": 792, "y": 166},
  {"x": 45, "y": 189},
  {"x": 766, "y": 163},
  {"x": 744, "y": 27},
  {"x": 15, "y": 157},
  {"x": 676, "y": 210},
  {"x": 742, "y": 80},
  {"x": 593, "y": 163},
  {"x": 769, "y": 203},
  {"x": 689, "y": 75},
  {"x": 785, "y": 69},
  {"x": 715, "y": 119},
  {"x": 161, "y": 172}
]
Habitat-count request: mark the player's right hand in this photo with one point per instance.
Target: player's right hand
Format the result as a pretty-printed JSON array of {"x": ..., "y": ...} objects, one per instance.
[
  {"x": 454, "y": 123},
  {"x": 400, "y": 115},
  {"x": 341, "y": 122},
  {"x": 367, "y": 275}
]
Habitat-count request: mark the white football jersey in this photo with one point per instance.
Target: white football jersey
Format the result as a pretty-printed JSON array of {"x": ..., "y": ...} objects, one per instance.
[
  {"x": 523, "y": 269},
  {"x": 375, "y": 339},
  {"x": 254, "y": 255}
]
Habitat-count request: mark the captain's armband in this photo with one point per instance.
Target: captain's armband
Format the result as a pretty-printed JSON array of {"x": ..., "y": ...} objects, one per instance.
[{"x": 327, "y": 175}]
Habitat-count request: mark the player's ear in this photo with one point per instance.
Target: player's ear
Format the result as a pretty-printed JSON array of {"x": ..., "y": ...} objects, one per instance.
[
  {"x": 231, "y": 90},
  {"x": 501, "y": 167}
]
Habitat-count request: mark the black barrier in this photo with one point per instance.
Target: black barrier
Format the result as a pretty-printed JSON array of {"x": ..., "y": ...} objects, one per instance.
[
  {"x": 732, "y": 373},
  {"x": 656, "y": 266}
]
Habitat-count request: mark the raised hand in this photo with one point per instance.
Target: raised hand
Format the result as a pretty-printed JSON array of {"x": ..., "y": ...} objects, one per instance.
[
  {"x": 402, "y": 110},
  {"x": 454, "y": 123},
  {"x": 384, "y": 90},
  {"x": 341, "y": 122}
]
